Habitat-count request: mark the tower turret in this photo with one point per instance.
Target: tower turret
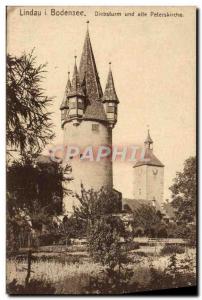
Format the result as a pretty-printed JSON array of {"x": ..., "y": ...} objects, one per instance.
[
  {"x": 86, "y": 123},
  {"x": 110, "y": 99},
  {"x": 149, "y": 176},
  {"x": 76, "y": 98},
  {"x": 148, "y": 142},
  {"x": 65, "y": 103}
]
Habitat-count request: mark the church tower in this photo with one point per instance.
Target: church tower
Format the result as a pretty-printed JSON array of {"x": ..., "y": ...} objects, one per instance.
[
  {"x": 88, "y": 117},
  {"x": 149, "y": 176}
]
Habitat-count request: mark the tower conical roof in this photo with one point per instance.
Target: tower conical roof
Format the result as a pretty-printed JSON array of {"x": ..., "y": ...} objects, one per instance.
[
  {"x": 110, "y": 92},
  {"x": 76, "y": 89},
  {"x": 88, "y": 72},
  {"x": 67, "y": 91}
]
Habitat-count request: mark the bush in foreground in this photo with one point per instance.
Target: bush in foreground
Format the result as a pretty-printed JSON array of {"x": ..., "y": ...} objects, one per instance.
[{"x": 170, "y": 249}]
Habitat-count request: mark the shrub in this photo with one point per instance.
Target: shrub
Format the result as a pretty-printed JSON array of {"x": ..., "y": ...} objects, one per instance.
[
  {"x": 139, "y": 231},
  {"x": 133, "y": 246},
  {"x": 162, "y": 232},
  {"x": 172, "y": 249},
  {"x": 51, "y": 239},
  {"x": 33, "y": 287},
  {"x": 104, "y": 241}
]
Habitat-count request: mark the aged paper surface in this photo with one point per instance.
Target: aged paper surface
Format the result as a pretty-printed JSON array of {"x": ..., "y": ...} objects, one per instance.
[{"x": 116, "y": 86}]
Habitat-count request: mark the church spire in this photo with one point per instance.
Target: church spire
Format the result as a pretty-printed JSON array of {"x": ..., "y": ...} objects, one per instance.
[
  {"x": 110, "y": 92},
  {"x": 148, "y": 142},
  {"x": 88, "y": 72}
]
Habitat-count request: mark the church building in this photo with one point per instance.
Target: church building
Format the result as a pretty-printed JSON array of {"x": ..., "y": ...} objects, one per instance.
[{"x": 149, "y": 176}]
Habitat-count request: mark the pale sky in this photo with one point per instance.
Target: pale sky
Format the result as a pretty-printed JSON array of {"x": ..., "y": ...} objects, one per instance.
[{"x": 153, "y": 65}]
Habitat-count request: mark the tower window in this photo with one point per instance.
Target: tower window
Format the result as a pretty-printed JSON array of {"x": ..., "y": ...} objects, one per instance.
[
  {"x": 95, "y": 127},
  {"x": 111, "y": 109},
  {"x": 72, "y": 105}
]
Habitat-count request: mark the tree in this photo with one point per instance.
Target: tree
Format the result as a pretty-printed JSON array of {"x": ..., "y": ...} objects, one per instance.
[
  {"x": 28, "y": 125},
  {"x": 105, "y": 247},
  {"x": 34, "y": 195},
  {"x": 184, "y": 193},
  {"x": 96, "y": 203},
  {"x": 104, "y": 238},
  {"x": 107, "y": 239},
  {"x": 148, "y": 218}
]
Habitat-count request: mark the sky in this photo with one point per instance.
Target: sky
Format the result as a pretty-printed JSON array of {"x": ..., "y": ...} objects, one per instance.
[{"x": 153, "y": 64}]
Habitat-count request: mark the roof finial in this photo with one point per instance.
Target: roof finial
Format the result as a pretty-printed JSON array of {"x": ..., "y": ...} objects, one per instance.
[
  {"x": 148, "y": 129},
  {"x": 68, "y": 74},
  {"x": 148, "y": 142},
  {"x": 87, "y": 22},
  {"x": 75, "y": 57},
  {"x": 110, "y": 65}
]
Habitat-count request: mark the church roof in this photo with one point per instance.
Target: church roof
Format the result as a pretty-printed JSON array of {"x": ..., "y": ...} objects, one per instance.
[
  {"x": 134, "y": 204},
  {"x": 149, "y": 159},
  {"x": 88, "y": 73},
  {"x": 110, "y": 92}
]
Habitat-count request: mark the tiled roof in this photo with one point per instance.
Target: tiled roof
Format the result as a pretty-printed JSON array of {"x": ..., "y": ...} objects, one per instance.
[
  {"x": 134, "y": 204},
  {"x": 110, "y": 92},
  {"x": 88, "y": 73},
  {"x": 76, "y": 89},
  {"x": 67, "y": 90},
  {"x": 149, "y": 159},
  {"x": 95, "y": 111}
]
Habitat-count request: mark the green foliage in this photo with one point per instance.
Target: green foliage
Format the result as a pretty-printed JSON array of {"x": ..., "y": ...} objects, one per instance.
[
  {"x": 28, "y": 125},
  {"x": 133, "y": 246},
  {"x": 149, "y": 220},
  {"x": 104, "y": 237},
  {"x": 172, "y": 249},
  {"x": 111, "y": 282},
  {"x": 33, "y": 287},
  {"x": 73, "y": 227},
  {"x": 184, "y": 193},
  {"x": 184, "y": 231},
  {"x": 162, "y": 232},
  {"x": 107, "y": 240},
  {"x": 173, "y": 276},
  {"x": 34, "y": 195},
  {"x": 94, "y": 204},
  {"x": 34, "y": 189}
]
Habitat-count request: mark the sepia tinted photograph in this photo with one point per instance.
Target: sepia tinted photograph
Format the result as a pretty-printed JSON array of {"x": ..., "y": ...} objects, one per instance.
[{"x": 101, "y": 187}]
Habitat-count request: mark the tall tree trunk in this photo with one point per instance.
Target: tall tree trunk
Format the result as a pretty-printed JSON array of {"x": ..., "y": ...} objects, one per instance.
[{"x": 29, "y": 261}]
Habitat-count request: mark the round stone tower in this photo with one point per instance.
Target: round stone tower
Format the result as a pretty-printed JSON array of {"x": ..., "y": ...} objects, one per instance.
[{"x": 88, "y": 117}]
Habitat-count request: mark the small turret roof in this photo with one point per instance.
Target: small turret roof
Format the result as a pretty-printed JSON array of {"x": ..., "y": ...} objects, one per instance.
[
  {"x": 67, "y": 91},
  {"x": 110, "y": 92},
  {"x": 76, "y": 89}
]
